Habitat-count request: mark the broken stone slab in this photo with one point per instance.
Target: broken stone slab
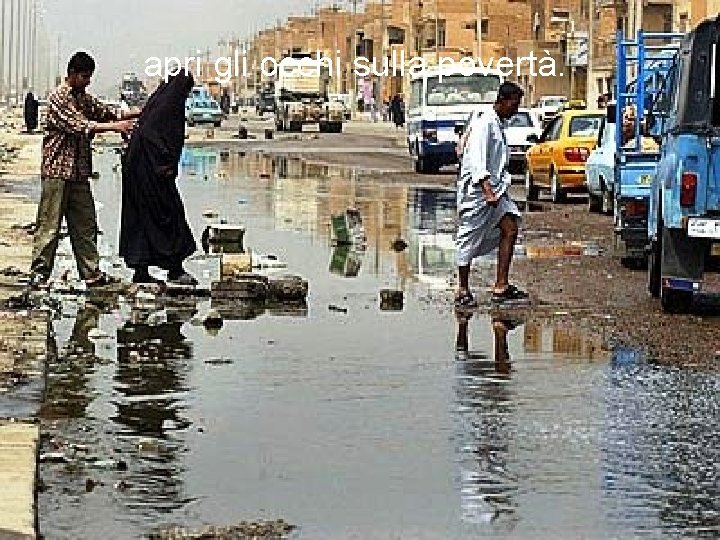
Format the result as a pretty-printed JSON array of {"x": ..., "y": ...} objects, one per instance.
[
  {"x": 243, "y": 286},
  {"x": 232, "y": 264},
  {"x": 287, "y": 287},
  {"x": 239, "y": 310},
  {"x": 224, "y": 233},
  {"x": 18, "y": 455},
  {"x": 287, "y": 308}
]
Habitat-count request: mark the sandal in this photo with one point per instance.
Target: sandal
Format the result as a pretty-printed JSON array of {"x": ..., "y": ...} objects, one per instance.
[
  {"x": 101, "y": 280},
  {"x": 466, "y": 300},
  {"x": 510, "y": 293}
]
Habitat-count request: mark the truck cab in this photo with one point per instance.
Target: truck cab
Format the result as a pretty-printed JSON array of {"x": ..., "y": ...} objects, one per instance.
[{"x": 684, "y": 213}]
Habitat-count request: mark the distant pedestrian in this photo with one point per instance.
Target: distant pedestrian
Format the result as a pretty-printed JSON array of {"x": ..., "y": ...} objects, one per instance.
[
  {"x": 397, "y": 111},
  {"x": 73, "y": 118},
  {"x": 487, "y": 217},
  {"x": 31, "y": 112}
]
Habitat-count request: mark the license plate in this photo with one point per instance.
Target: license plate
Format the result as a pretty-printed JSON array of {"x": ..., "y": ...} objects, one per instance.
[
  {"x": 715, "y": 250},
  {"x": 206, "y": 115},
  {"x": 645, "y": 179},
  {"x": 704, "y": 228}
]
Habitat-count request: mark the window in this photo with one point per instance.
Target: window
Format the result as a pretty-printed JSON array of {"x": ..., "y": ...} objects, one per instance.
[
  {"x": 416, "y": 93},
  {"x": 521, "y": 119},
  {"x": 473, "y": 26},
  {"x": 459, "y": 89},
  {"x": 585, "y": 126},
  {"x": 441, "y": 33}
]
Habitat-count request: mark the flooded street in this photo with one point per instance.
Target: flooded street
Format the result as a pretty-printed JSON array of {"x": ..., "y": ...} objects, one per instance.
[{"x": 346, "y": 418}]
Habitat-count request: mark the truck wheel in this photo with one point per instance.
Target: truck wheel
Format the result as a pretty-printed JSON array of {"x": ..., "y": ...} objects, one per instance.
[
  {"x": 531, "y": 190},
  {"x": 426, "y": 165},
  {"x": 654, "y": 263},
  {"x": 557, "y": 193},
  {"x": 608, "y": 200},
  {"x": 218, "y": 124},
  {"x": 675, "y": 301},
  {"x": 594, "y": 203},
  {"x": 671, "y": 300}
]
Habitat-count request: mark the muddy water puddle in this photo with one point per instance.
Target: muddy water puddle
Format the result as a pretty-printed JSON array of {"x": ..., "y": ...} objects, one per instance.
[{"x": 348, "y": 420}]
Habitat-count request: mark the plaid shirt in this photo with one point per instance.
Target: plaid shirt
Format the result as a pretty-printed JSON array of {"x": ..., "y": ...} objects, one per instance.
[{"x": 70, "y": 118}]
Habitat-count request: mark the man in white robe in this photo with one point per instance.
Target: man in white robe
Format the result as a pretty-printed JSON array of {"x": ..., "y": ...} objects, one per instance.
[{"x": 487, "y": 217}]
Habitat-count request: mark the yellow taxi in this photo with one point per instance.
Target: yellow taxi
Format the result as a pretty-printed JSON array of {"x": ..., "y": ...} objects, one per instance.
[{"x": 556, "y": 162}]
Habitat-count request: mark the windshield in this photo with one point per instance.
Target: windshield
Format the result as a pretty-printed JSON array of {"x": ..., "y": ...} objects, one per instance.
[
  {"x": 585, "y": 126},
  {"x": 460, "y": 89},
  {"x": 520, "y": 119}
]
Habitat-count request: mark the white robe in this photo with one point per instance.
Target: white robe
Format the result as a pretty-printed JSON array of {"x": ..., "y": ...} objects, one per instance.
[{"x": 485, "y": 155}]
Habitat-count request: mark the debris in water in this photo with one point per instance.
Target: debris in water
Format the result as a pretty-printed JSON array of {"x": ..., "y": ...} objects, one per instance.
[
  {"x": 213, "y": 319},
  {"x": 218, "y": 361},
  {"x": 253, "y": 529},
  {"x": 333, "y": 307}
]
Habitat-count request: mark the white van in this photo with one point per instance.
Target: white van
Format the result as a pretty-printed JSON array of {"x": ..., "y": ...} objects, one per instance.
[{"x": 441, "y": 100}]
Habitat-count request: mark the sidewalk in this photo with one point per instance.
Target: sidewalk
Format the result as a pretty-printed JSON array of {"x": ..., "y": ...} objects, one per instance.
[{"x": 23, "y": 335}]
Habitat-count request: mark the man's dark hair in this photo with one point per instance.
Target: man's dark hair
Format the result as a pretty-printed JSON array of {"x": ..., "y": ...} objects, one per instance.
[
  {"x": 81, "y": 62},
  {"x": 509, "y": 90}
]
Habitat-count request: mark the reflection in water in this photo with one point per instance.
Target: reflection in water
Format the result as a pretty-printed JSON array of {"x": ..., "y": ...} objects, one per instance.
[
  {"x": 345, "y": 261},
  {"x": 566, "y": 340},
  {"x": 485, "y": 406},
  {"x": 66, "y": 393},
  {"x": 150, "y": 387},
  {"x": 660, "y": 448}
]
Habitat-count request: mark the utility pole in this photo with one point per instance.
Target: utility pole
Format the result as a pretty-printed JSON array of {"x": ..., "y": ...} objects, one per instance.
[
  {"x": 353, "y": 55},
  {"x": 11, "y": 47},
  {"x": 18, "y": 57},
  {"x": 437, "y": 33},
  {"x": 381, "y": 85},
  {"x": 590, "y": 93},
  {"x": 2, "y": 48},
  {"x": 478, "y": 30}
]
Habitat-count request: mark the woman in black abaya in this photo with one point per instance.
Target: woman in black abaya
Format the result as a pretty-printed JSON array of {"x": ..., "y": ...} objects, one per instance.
[
  {"x": 31, "y": 112},
  {"x": 153, "y": 228}
]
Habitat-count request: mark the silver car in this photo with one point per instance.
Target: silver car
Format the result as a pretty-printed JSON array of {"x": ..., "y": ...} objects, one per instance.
[{"x": 600, "y": 171}]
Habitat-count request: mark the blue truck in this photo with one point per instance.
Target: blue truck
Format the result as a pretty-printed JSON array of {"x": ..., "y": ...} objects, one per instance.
[
  {"x": 684, "y": 201},
  {"x": 643, "y": 64}
]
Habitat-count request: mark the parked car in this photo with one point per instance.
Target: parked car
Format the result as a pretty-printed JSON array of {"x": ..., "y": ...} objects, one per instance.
[
  {"x": 557, "y": 161},
  {"x": 547, "y": 107},
  {"x": 519, "y": 127},
  {"x": 203, "y": 112},
  {"x": 600, "y": 171}
]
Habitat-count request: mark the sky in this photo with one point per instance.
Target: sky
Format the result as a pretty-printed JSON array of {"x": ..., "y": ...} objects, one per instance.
[{"x": 121, "y": 35}]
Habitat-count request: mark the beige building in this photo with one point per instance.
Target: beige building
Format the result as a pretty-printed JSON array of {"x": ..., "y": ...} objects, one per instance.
[{"x": 583, "y": 54}]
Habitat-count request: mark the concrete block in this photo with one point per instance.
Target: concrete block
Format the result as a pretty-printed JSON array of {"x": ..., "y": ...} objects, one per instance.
[
  {"x": 232, "y": 264},
  {"x": 241, "y": 287},
  {"x": 18, "y": 458},
  {"x": 287, "y": 287}
]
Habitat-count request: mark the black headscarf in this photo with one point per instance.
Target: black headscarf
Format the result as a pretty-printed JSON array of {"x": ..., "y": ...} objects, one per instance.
[{"x": 153, "y": 228}]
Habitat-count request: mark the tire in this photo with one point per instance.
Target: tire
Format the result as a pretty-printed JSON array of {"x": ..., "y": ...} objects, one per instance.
[
  {"x": 654, "y": 276},
  {"x": 218, "y": 124},
  {"x": 557, "y": 194},
  {"x": 190, "y": 123},
  {"x": 594, "y": 203},
  {"x": 531, "y": 190},
  {"x": 607, "y": 200}
]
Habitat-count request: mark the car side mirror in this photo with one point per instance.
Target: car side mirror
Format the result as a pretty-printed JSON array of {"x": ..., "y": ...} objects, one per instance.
[{"x": 532, "y": 138}]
